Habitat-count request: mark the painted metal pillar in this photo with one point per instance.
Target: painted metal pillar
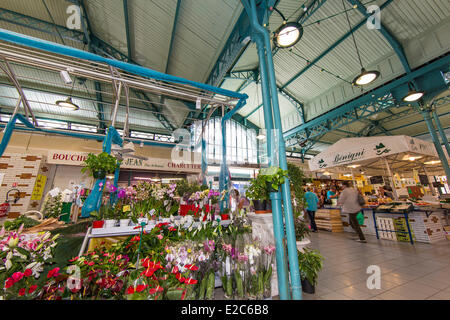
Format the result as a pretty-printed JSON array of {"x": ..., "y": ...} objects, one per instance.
[
  {"x": 437, "y": 144},
  {"x": 275, "y": 197},
  {"x": 204, "y": 160},
  {"x": 441, "y": 130},
  {"x": 285, "y": 188}
]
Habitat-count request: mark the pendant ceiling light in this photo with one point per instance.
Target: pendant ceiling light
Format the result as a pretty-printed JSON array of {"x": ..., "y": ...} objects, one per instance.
[
  {"x": 413, "y": 95},
  {"x": 365, "y": 77},
  {"x": 288, "y": 34},
  {"x": 68, "y": 103}
]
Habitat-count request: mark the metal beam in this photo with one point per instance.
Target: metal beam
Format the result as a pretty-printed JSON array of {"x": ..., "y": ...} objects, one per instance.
[
  {"x": 172, "y": 36},
  {"x": 332, "y": 47},
  {"x": 127, "y": 27},
  {"x": 368, "y": 104},
  {"x": 395, "y": 44},
  {"x": 98, "y": 45}
]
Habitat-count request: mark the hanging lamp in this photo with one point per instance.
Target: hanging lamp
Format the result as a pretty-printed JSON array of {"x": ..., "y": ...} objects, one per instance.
[
  {"x": 365, "y": 77},
  {"x": 413, "y": 95},
  {"x": 68, "y": 103},
  {"x": 288, "y": 34}
]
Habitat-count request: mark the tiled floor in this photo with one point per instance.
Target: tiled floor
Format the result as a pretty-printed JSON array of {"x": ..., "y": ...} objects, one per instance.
[{"x": 408, "y": 272}]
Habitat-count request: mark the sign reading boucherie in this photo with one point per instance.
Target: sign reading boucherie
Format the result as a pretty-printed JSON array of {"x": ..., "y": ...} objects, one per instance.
[{"x": 77, "y": 159}]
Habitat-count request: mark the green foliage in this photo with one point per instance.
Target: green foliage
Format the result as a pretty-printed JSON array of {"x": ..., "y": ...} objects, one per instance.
[
  {"x": 274, "y": 177},
  {"x": 298, "y": 181},
  {"x": 185, "y": 188},
  {"x": 108, "y": 213},
  {"x": 16, "y": 223},
  {"x": 257, "y": 190},
  {"x": 100, "y": 162},
  {"x": 310, "y": 263},
  {"x": 301, "y": 229},
  {"x": 52, "y": 206},
  {"x": 268, "y": 179}
]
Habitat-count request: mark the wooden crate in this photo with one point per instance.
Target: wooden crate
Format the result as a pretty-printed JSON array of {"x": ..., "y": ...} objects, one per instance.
[{"x": 329, "y": 220}]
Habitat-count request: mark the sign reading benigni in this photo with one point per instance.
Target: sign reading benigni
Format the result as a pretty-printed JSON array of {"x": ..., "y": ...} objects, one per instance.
[{"x": 348, "y": 157}]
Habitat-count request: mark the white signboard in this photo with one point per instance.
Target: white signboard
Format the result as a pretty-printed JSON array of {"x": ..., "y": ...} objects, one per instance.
[
  {"x": 77, "y": 158},
  {"x": 351, "y": 150}
]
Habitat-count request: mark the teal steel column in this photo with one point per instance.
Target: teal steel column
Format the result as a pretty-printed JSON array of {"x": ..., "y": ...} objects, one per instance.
[
  {"x": 441, "y": 130},
  {"x": 275, "y": 197},
  {"x": 204, "y": 160},
  {"x": 286, "y": 192},
  {"x": 437, "y": 144}
]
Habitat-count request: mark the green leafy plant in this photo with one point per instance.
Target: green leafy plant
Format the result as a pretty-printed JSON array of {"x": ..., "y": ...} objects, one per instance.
[
  {"x": 16, "y": 223},
  {"x": 274, "y": 177},
  {"x": 301, "y": 229},
  {"x": 101, "y": 162},
  {"x": 310, "y": 263},
  {"x": 107, "y": 212},
  {"x": 297, "y": 182},
  {"x": 257, "y": 189}
]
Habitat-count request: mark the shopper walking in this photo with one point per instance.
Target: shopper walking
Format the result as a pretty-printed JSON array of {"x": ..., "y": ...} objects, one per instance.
[
  {"x": 311, "y": 207},
  {"x": 348, "y": 199}
]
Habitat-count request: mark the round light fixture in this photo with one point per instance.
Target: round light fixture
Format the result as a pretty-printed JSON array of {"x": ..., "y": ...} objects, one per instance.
[
  {"x": 432, "y": 162},
  {"x": 413, "y": 96},
  {"x": 67, "y": 104},
  {"x": 288, "y": 35},
  {"x": 366, "y": 77},
  {"x": 261, "y": 136}
]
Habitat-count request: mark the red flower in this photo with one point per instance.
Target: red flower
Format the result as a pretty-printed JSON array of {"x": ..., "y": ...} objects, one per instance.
[
  {"x": 17, "y": 276},
  {"x": 91, "y": 263},
  {"x": 135, "y": 238},
  {"x": 147, "y": 263},
  {"x": 22, "y": 292},
  {"x": 190, "y": 281},
  {"x": 8, "y": 283},
  {"x": 179, "y": 277},
  {"x": 28, "y": 273},
  {"x": 139, "y": 288},
  {"x": 155, "y": 290},
  {"x": 172, "y": 229},
  {"x": 148, "y": 272},
  {"x": 73, "y": 259},
  {"x": 32, "y": 288},
  {"x": 175, "y": 270},
  {"x": 53, "y": 273},
  {"x": 191, "y": 267}
]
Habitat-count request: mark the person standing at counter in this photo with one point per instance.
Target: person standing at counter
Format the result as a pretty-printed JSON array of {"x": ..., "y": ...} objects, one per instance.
[
  {"x": 311, "y": 200},
  {"x": 348, "y": 199},
  {"x": 331, "y": 194}
]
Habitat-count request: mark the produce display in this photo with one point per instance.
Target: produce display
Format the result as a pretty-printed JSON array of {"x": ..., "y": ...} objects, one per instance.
[{"x": 22, "y": 220}]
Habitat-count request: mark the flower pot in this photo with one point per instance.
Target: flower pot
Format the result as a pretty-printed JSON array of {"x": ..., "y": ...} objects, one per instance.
[
  {"x": 225, "y": 216},
  {"x": 302, "y": 244},
  {"x": 260, "y": 206},
  {"x": 307, "y": 287},
  {"x": 124, "y": 222},
  {"x": 268, "y": 204},
  {"x": 98, "y": 224},
  {"x": 100, "y": 174},
  {"x": 110, "y": 223}
]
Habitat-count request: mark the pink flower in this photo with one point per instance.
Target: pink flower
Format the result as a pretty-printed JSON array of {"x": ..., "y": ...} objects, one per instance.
[
  {"x": 159, "y": 236},
  {"x": 17, "y": 276}
]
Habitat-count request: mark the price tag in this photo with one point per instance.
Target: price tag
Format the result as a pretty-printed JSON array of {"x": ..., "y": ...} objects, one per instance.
[{"x": 126, "y": 208}]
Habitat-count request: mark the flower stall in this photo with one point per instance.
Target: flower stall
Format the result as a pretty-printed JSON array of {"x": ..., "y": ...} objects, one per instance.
[{"x": 138, "y": 247}]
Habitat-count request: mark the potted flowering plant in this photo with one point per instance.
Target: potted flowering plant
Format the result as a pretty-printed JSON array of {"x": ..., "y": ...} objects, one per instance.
[
  {"x": 100, "y": 165},
  {"x": 98, "y": 219},
  {"x": 257, "y": 192},
  {"x": 310, "y": 263}
]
